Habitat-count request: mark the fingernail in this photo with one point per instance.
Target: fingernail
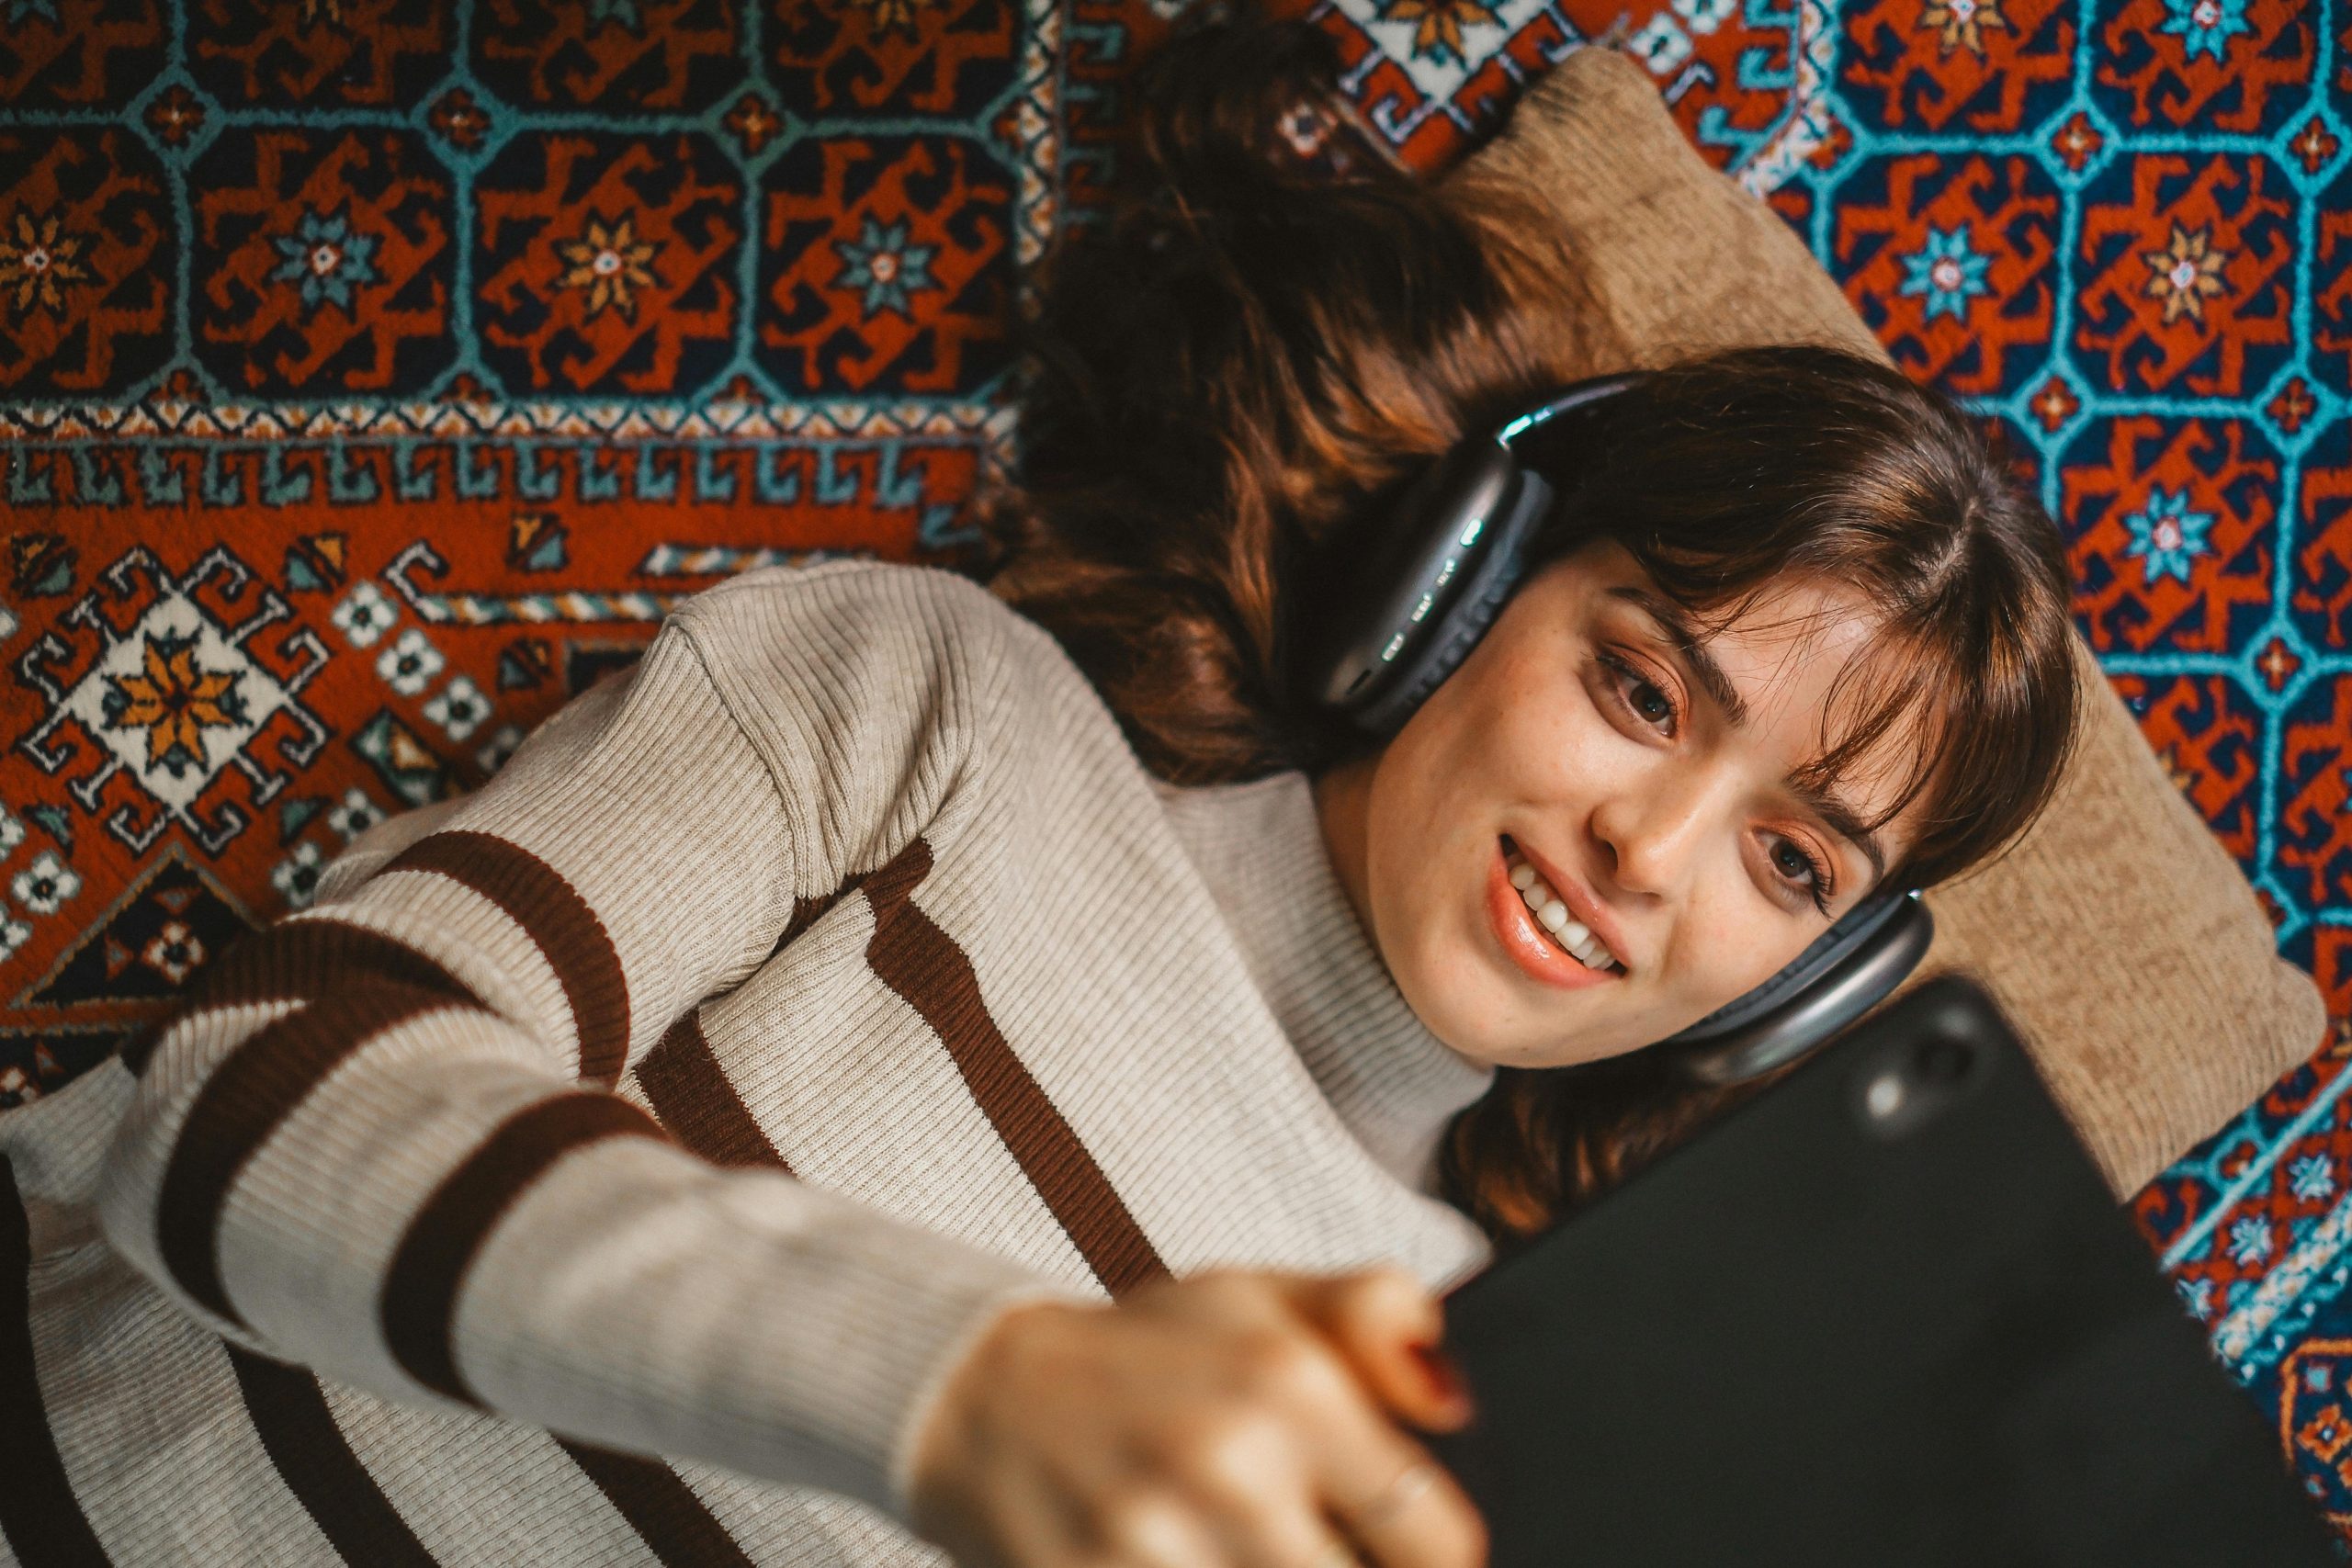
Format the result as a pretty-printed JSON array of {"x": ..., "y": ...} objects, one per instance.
[{"x": 1444, "y": 1376}]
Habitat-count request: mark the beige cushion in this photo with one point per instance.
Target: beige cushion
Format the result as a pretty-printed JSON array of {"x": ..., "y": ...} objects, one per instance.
[{"x": 2119, "y": 934}]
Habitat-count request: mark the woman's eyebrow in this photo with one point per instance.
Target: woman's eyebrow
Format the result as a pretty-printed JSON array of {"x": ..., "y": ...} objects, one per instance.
[
  {"x": 1686, "y": 641},
  {"x": 1844, "y": 821},
  {"x": 1835, "y": 814}
]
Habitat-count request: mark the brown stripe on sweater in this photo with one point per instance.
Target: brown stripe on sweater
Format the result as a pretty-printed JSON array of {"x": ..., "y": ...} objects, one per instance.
[
  {"x": 290, "y": 1417},
  {"x": 38, "y": 1515},
  {"x": 559, "y": 923},
  {"x": 294, "y": 962},
  {"x": 697, "y": 1104},
  {"x": 253, "y": 1090},
  {"x": 924, "y": 964},
  {"x": 661, "y": 1508},
  {"x": 419, "y": 1300}
]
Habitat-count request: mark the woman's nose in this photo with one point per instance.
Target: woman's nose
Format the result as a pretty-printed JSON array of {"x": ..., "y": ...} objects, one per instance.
[{"x": 1650, "y": 831}]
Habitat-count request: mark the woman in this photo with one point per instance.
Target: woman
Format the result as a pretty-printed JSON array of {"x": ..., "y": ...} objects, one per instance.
[{"x": 776, "y": 1065}]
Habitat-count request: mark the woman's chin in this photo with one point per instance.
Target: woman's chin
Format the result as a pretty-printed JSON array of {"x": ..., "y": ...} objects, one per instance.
[
  {"x": 1484, "y": 1019},
  {"x": 1487, "y": 1019}
]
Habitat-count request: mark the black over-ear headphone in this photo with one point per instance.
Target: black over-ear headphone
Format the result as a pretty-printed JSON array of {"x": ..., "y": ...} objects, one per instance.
[{"x": 1432, "y": 583}]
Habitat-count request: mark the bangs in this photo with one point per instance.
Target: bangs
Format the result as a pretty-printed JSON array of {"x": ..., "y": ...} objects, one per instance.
[
  {"x": 1937, "y": 709},
  {"x": 1882, "y": 725}
]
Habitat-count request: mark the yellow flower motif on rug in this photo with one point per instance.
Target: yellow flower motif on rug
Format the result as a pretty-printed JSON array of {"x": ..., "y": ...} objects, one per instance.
[
  {"x": 175, "y": 703},
  {"x": 1438, "y": 24},
  {"x": 2186, "y": 274},
  {"x": 1962, "y": 23},
  {"x": 38, "y": 258},
  {"x": 888, "y": 15},
  {"x": 608, "y": 262}
]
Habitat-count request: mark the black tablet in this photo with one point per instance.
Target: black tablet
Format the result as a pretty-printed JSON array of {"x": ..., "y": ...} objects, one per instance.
[{"x": 1883, "y": 1316}]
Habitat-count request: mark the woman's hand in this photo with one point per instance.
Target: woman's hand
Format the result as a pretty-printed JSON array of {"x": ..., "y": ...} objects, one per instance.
[{"x": 1231, "y": 1420}]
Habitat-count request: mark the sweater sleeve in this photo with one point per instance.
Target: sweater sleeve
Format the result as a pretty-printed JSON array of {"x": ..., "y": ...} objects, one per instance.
[{"x": 381, "y": 1140}]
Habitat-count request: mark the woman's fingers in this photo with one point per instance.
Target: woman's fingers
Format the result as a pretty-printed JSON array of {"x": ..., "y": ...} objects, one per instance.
[
  {"x": 1151, "y": 1526},
  {"x": 1384, "y": 1492},
  {"x": 1411, "y": 1514},
  {"x": 1386, "y": 1324},
  {"x": 1230, "y": 1421},
  {"x": 1325, "y": 1548},
  {"x": 1255, "y": 1479},
  {"x": 1318, "y": 1474},
  {"x": 1290, "y": 1533}
]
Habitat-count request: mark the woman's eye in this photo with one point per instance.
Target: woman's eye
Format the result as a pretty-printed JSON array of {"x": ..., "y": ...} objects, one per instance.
[
  {"x": 1803, "y": 871},
  {"x": 1646, "y": 700}
]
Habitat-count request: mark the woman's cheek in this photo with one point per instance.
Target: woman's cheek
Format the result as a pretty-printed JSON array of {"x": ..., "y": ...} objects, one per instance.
[{"x": 1752, "y": 945}]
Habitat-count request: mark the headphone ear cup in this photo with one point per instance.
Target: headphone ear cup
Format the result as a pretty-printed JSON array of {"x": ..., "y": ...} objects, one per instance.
[
  {"x": 1459, "y": 627},
  {"x": 1456, "y": 633},
  {"x": 1844, "y": 973},
  {"x": 1393, "y": 587}
]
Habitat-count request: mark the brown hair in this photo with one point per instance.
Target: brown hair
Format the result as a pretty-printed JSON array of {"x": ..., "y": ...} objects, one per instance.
[{"x": 1231, "y": 376}]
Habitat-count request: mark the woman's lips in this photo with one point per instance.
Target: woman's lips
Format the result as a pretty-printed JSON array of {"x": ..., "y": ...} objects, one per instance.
[{"x": 1535, "y": 953}]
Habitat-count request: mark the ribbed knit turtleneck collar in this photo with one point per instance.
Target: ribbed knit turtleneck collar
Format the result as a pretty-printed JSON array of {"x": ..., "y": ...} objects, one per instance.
[{"x": 1260, "y": 847}]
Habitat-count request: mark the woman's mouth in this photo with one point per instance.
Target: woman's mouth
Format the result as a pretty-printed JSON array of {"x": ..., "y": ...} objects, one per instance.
[{"x": 1534, "y": 926}]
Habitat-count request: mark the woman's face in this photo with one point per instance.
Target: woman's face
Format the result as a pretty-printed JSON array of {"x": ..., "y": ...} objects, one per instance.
[{"x": 1645, "y": 779}]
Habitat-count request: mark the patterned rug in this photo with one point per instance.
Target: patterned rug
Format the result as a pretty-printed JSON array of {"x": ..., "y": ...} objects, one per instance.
[{"x": 374, "y": 374}]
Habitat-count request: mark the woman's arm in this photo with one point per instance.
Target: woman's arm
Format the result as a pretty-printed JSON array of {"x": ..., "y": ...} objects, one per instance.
[{"x": 381, "y": 1141}]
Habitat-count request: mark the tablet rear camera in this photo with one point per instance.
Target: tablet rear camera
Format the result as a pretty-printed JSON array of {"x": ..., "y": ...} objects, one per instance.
[
  {"x": 1906, "y": 1089},
  {"x": 1943, "y": 1062}
]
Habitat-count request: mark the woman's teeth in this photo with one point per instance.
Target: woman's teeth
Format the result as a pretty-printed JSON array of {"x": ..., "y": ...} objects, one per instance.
[{"x": 1552, "y": 914}]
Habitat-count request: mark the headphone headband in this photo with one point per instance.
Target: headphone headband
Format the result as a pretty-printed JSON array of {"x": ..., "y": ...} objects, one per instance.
[{"x": 1568, "y": 400}]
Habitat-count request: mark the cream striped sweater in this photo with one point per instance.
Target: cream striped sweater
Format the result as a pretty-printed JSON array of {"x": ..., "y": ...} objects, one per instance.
[{"x": 695, "y": 1090}]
